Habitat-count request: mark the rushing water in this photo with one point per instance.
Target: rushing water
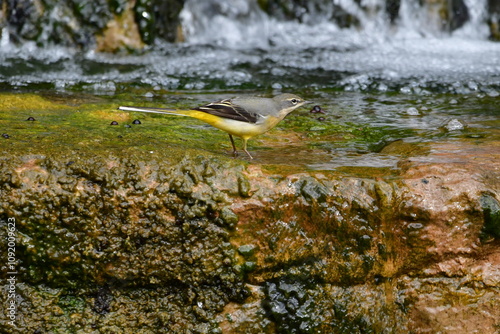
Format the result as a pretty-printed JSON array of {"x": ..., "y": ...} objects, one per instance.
[{"x": 237, "y": 46}]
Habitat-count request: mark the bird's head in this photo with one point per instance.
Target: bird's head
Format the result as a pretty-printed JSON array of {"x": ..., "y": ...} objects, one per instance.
[{"x": 288, "y": 103}]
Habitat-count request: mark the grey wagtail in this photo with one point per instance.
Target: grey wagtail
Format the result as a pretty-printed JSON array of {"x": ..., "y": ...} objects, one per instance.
[{"x": 244, "y": 117}]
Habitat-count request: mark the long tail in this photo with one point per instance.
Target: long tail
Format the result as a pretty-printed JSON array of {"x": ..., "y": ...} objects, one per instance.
[{"x": 157, "y": 110}]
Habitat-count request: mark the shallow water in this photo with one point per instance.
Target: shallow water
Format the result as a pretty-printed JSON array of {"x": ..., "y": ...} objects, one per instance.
[{"x": 381, "y": 83}]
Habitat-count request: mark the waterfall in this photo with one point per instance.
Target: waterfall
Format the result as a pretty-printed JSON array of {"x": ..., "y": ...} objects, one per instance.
[
  {"x": 224, "y": 22},
  {"x": 243, "y": 23},
  {"x": 355, "y": 45}
]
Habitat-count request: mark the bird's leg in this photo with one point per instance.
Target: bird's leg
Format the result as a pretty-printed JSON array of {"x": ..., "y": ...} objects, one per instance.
[
  {"x": 245, "y": 148},
  {"x": 235, "y": 153}
]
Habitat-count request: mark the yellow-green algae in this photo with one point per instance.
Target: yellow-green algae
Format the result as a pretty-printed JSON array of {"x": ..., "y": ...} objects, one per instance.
[
  {"x": 83, "y": 121},
  {"x": 88, "y": 125}
]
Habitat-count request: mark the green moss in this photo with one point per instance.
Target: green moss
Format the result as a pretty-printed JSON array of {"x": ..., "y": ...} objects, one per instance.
[
  {"x": 86, "y": 123},
  {"x": 87, "y": 126},
  {"x": 71, "y": 304}
]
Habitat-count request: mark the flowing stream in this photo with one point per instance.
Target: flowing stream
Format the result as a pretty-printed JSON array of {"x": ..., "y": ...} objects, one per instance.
[{"x": 237, "y": 46}]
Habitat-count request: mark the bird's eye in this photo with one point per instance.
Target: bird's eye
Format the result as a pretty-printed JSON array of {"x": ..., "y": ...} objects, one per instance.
[{"x": 295, "y": 101}]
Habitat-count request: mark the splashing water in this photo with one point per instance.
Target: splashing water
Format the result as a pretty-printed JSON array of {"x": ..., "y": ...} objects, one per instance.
[{"x": 235, "y": 45}]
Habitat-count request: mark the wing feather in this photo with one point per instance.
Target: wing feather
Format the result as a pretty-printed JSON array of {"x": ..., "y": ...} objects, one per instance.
[{"x": 227, "y": 109}]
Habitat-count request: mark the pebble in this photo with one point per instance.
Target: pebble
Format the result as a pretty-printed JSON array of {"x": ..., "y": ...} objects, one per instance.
[
  {"x": 412, "y": 111},
  {"x": 31, "y": 119},
  {"x": 136, "y": 121},
  {"x": 114, "y": 123},
  {"x": 317, "y": 110},
  {"x": 454, "y": 125},
  {"x": 246, "y": 250},
  {"x": 405, "y": 90}
]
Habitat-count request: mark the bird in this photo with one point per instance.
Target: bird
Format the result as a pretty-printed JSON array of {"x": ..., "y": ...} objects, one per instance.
[{"x": 243, "y": 117}]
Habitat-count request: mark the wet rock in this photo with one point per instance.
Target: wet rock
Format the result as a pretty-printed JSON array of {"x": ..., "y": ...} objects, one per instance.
[
  {"x": 412, "y": 111},
  {"x": 120, "y": 33},
  {"x": 102, "y": 300},
  {"x": 47, "y": 21},
  {"x": 491, "y": 209},
  {"x": 317, "y": 110},
  {"x": 99, "y": 230},
  {"x": 159, "y": 19},
  {"x": 194, "y": 243},
  {"x": 380, "y": 237},
  {"x": 246, "y": 250},
  {"x": 311, "y": 189},
  {"x": 454, "y": 125},
  {"x": 113, "y": 26}
]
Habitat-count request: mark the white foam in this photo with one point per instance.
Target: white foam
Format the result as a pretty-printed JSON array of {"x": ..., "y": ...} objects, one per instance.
[{"x": 235, "y": 43}]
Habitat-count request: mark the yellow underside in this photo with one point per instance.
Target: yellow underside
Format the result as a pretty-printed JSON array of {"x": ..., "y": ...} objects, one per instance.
[{"x": 236, "y": 128}]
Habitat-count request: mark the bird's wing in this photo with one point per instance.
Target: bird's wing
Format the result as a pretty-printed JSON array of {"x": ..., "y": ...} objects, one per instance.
[{"x": 228, "y": 109}]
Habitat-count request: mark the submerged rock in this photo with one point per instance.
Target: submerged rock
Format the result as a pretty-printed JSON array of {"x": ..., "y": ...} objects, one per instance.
[{"x": 454, "y": 125}]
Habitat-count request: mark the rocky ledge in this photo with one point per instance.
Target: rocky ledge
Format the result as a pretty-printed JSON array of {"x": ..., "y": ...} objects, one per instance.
[{"x": 130, "y": 242}]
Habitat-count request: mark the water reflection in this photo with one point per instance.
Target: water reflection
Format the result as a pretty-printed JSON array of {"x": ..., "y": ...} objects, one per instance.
[{"x": 352, "y": 159}]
